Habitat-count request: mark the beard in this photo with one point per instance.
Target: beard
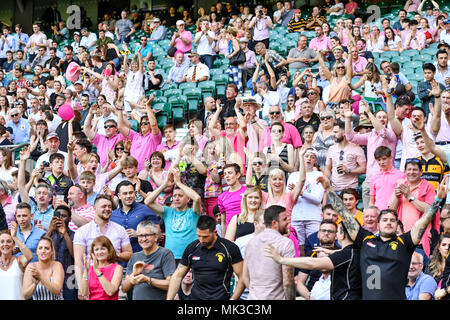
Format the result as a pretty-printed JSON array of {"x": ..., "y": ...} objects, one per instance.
[{"x": 339, "y": 139}]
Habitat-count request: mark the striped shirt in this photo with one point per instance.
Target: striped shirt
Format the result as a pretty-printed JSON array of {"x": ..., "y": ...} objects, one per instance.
[
  {"x": 433, "y": 170},
  {"x": 316, "y": 24},
  {"x": 296, "y": 26},
  {"x": 87, "y": 212},
  {"x": 42, "y": 293}
]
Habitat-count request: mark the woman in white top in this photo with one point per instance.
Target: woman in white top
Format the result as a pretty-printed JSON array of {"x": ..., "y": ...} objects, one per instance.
[
  {"x": 133, "y": 88},
  {"x": 11, "y": 268},
  {"x": 54, "y": 71},
  {"x": 372, "y": 83},
  {"x": 375, "y": 42},
  {"x": 6, "y": 166},
  {"x": 306, "y": 214},
  {"x": 391, "y": 41}
]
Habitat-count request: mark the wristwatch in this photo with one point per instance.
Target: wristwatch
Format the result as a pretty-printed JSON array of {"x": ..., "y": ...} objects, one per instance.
[
  {"x": 100, "y": 275},
  {"x": 411, "y": 199},
  {"x": 149, "y": 282}
]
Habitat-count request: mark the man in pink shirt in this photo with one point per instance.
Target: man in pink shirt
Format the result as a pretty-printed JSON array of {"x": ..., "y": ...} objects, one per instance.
[
  {"x": 320, "y": 42},
  {"x": 411, "y": 198},
  {"x": 181, "y": 39},
  {"x": 415, "y": 39},
  {"x": 382, "y": 185},
  {"x": 345, "y": 161},
  {"x": 229, "y": 202},
  {"x": 359, "y": 63},
  {"x": 170, "y": 134},
  {"x": 291, "y": 134},
  {"x": 102, "y": 142},
  {"x": 142, "y": 144},
  {"x": 381, "y": 135}
]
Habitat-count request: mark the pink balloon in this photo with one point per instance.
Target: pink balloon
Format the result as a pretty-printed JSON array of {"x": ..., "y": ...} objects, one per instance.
[{"x": 66, "y": 112}]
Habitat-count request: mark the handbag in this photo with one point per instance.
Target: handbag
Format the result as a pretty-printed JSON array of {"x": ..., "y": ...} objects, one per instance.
[{"x": 238, "y": 58}]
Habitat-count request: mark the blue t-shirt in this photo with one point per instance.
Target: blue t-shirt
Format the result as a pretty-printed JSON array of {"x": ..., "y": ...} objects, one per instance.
[
  {"x": 424, "y": 284},
  {"x": 146, "y": 50},
  {"x": 181, "y": 229},
  {"x": 32, "y": 241}
]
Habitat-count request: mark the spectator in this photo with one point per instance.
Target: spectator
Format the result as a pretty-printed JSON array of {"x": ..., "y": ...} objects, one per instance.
[
  {"x": 301, "y": 56},
  {"x": 315, "y": 19},
  {"x": 88, "y": 40},
  {"x": 21, "y": 38},
  {"x": 420, "y": 285},
  {"x": 250, "y": 56},
  {"x": 197, "y": 72},
  {"x": 297, "y": 23},
  {"x": 104, "y": 285},
  {"x": 261, "y": 24},
  {"x": 424, "y": 88},
  {"x": 159, "y": 32},
  {"x": 437, "y": 261},
  {"x": 181, "y": 40},
  {"x": 44, "y": 280},
  {"x": 178, "y": 70},
  {"x": 370, "y": 217},
  {"x": 149, "y": 284},
  {"x": 12, "y": 282},
  {"x": 234, "y": 71},
  {"x": 124, "y": 29},
  {"x": 204, "y": 39},
  {"x": 337, "y": 9},
  {"x": 442, "y": 68}
]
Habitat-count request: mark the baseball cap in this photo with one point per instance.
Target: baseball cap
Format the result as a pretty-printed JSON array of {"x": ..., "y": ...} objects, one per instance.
[
  {"x": 313, "y": 151},
  {"x": 297, "y": 11},
  {"x": 243, "y": 39},
  {"x": 76, "y": 33},
  {"x": 156, "y": 20},
  {"x": 179, "y": 22},
  {"x": 52, "y": 135},
  {"x": 193, "y": 53},
  {"x": 78, "y": 82}
]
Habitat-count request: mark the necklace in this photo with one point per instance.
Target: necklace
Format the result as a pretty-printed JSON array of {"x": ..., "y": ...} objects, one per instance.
[{"x": 3, "y": 265}]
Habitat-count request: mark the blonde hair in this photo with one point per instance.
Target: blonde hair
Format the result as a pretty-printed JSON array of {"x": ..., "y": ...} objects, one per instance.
[
  {"x": 243, "y": 216},
  {"x": 276, "y": 172}
]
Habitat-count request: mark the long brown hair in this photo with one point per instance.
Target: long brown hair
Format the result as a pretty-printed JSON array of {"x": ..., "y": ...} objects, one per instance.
[
  {"x": 435, "y": 265},
  {"x": 105, "y": 242}
]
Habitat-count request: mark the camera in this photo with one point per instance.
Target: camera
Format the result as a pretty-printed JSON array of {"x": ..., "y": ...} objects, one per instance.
[
  {"x": 46, "y": 164},
  {"x": 260, "y": 12}
]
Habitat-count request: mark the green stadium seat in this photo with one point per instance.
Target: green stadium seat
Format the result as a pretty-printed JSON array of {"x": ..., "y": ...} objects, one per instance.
[
  {"x": 401, "y": 59},
  {"x": 424, "y": 57},
  {"x": 177, "y": 101},
  {"x": 194, "y": 98},
  {"x": 430, "y": 51},
  {"x": 134, "y": 125},
  {"x": 158, "y": 107},
  {"x": 208, "y": 88},
  {"x": 159, "y": 99},
  {"x": 172, "y": 92},
  {"x": 186, "y": 85},
  {"x": 410, "y": 53},
  {"x": 162, "y": 120},
  {"x": 221, "y": 81},
  {"x": 177, "y": 114},
  {"x": 214, "y": 72}
]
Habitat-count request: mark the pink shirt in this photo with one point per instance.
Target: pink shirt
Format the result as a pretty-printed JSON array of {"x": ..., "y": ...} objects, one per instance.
[
  {"x": 353, "y": 154},
  {"x": 413, "y": 44},
  {"x": 322, "y": 44},
  {"x": 291, "y": 136},
  {"x": 382, "y": 186},
  {"x": 10, "y": 210},
  {"x": 238, "y": 143},
  {"x": 104, "y": 144},
  {"x": 253, "y": 141},
  {"x": 444, "y": 132},
  {"x": 230, "y": 203},
  {"x": 86, "y": 212},
  {"x": 408, "y": 214},
  {"x": 180, "y": 45},
  {"x": 358, "y": 65},
  {"x": 96, "y": 291},
  {"x": 142, "y": 147},
  {"x": 385, "y": 137}
]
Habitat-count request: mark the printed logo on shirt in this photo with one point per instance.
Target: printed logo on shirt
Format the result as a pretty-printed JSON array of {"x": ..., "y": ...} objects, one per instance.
[
  {"x": 195, "y": 258},
  {"x": 371, "y": 244},
  {"x": 393, "y": 245},
  {"x": 220, "y": 256},
  {"x": 149, "y": 267}
]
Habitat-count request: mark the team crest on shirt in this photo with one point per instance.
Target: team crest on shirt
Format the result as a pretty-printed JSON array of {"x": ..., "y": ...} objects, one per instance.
[
  {"x": 393, "y": 245},
  {"x": 220, "y": 256},
  {"x": 371, "y": 244}
]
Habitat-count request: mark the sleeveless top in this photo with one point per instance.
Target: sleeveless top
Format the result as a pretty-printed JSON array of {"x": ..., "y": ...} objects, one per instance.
[
  {"x": 109, "y": 92},
  {"x": 11, "y": 282},
  {"x": 322, "y": 145},
  {"x": 283, "y": 156},
  {"x": 243, "y": 229},
  {"x": 42, "y": 293},
  {"x": 339, "y": 90},
  {"x": 96, "y": 291}
]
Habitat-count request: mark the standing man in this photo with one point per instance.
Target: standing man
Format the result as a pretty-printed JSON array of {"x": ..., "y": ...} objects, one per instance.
[
  {"x": 385, "y": 259},
  {"x": 370, "y": 218},
  {"x": 81, "y": 211},
  {"x": 287, "y": 13},
  {"x": 213, "y": 260},
  {"x": 124, "y": 29},
  {"x": 280, "y": 285},
  {"x": 179, "y": 219},
  {"x": 442, "y": 68},
  {"x": 424, "y": 88},
  {"x": 130, "y": 213},
  {"x": 149, "y": 271},
  {"x": 204, "y": 39}
]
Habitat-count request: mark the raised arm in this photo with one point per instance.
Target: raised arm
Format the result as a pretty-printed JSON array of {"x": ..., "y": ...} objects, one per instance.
[
  {"x": 349, "y": 221},
  {"x": 213, "y": 132},
  {"x": 124, "y": 129},
  {"x": 151, "y": 116},
  {"x": 436, "y": 116},
  {"x": 420, "y": 226},
  {"x": 150, "y": 201},
  {"x": 322, "y": 63},
  {"x": 431, "y": 145},
  {"x": 88, "y": 123},
  {"x": 24, "y": 188},
  {"x": 194, "y": 196},
  {"x": 175, "y": 281},
  {"x": 395, "y": 123}
]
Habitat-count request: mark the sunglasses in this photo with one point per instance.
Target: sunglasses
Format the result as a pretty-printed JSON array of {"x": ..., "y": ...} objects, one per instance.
[
  {"x": 291, "y": 100},
  {"x": 274, "y": 112},
  {"x": 144, "y": 123},
  {"x": 412, "y": 160},
  {"x": 119, "y": 149},
  {"x": 109, "y": 126},
  {"x": 277, "y": 131},
  {"x": 256, "y": 163},
  {"x": 326, "y": 118},
  {"x": 311, "y": 93},
  {"x": 341, "y": 67},
  {"x": 341, "y": 155},
  {"x": 14, "y": 115}
]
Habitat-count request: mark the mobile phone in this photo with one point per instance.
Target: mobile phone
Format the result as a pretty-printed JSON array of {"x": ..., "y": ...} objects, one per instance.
[
  {"x": 60, "y": 197},
  {"x": 57, "y": 214},
  {"x": 315, "y": 70}
]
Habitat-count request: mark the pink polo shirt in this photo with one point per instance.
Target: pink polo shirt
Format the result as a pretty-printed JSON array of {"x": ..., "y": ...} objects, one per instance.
[
  {"x": 180, "y": 45},
  {"x": 413, "y": 45},
  {"x": 382, "y": 186},
  {"x": 238, "y": 143},
  {"x": 142, "y": 147},
  {"x": 385, "y": 137},
  {"x": 408, "y": 214},
  {"x": 322, "y": 44},
  {"x": 230, "y": 203},
  {"x": 104, "y": 144},
  {"x": 358, "y": 65},
  {"x": 444, "y": 132},
  {"x": 291, "y": 136}
]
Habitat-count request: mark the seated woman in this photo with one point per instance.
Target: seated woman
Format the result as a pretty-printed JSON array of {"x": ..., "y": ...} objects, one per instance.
[{"x": 102, "y": 278}]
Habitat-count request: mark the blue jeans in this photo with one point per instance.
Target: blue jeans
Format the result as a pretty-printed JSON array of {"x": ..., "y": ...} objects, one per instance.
[{"x": 207, "y": 59}]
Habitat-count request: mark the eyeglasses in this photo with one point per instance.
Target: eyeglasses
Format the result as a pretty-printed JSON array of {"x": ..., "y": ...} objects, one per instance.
[
  {"x": 291, "y": 100},
  {"x": 277, "y": 131},
  {"x": 258, "y": 163},
  {"x": 147, "y": 235},
  {"x": 110, "y": 126},
  {"x": 443, "y": 218},
  {"x": 144, "y": 123},
  {"x": 14, "y": 115},
  {"x": 311, "y": 93},
  {"x": 274, "y": 112},
  {"x": 327, "y": 231},
  {"x": 325, "y": 118},
  {"x": 341, "y": 155}
]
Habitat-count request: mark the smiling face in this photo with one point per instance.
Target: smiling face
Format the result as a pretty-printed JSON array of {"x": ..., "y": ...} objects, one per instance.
[
  {"x": 276, "y": 183},
  {"x": 127, "y": 195},
  {"x": 44, "y": 250},
  {"x": 6, "y": 244},
  {"x": 253, "y": 201}
]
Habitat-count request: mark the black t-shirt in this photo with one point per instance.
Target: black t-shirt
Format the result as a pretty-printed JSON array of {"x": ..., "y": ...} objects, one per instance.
[
  {"x": 227, "y": 111},
  {"x": 300, "y": 124},
  {"x": 211, "y": 268},
  {"x": 148, "y": 84},
  {"x": 346, "y": 276},
  {"x": 63, "y": 133},
  {"x": 146, "y": 187},
  {"x": 384, "y": 265}
]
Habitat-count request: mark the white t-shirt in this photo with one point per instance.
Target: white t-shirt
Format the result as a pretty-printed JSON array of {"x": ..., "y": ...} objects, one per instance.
[
  {"x": 204, "y": 47},
  {"x": 321, "y": 289},
  {"x": 393, "y": 44}
]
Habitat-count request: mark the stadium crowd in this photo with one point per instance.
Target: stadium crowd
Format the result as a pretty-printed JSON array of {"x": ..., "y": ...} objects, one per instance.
[{"x": 262, "y": 153}]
